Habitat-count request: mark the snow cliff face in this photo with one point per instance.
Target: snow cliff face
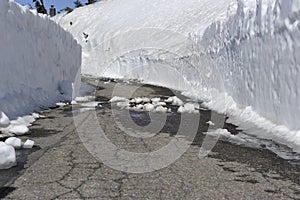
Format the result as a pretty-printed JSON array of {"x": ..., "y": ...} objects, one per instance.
[
  {"x": 38, "y": 61},
  {"x": 257, "y": 49},
  {"x": 239, "y": 56}
]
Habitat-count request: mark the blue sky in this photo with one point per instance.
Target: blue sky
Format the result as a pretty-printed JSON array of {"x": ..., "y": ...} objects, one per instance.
[{"x": 59, "y": 4}]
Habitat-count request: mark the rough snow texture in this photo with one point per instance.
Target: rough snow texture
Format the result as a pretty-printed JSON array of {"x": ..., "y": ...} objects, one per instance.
[
  {"x": 247, "y": 50},
  {"x": 257, "y": 52},
  {"x": 7, "y": 156},
  {"x": 14, "y": 142},
  {"x": 28, "y": 144},
  {"x": 4, "y": 120},
  {"x": 38, "y": 61},
  {"x": 19, "y": 126}
]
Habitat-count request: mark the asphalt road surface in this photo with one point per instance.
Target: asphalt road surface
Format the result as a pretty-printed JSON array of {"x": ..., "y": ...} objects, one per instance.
[{"x": 62, "y": 166}]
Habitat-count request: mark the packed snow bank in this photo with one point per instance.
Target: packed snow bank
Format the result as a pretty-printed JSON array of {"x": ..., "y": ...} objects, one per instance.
[
  {"x": 238, "y": 56},
  {"x": 256, "y": 51},
  {"x": 38, "y": 61},
  {"x": 119, "y": 35}
]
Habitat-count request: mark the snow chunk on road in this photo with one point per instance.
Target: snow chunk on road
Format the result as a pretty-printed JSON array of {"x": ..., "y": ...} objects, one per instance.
[
  {"x": 7, "y": 156},
  {"x": 224, "y": 133},
  {"x": 84, "y": 99},
  {"x": 188, "y": 108},
  {"x": 14, "y": 142},
  {"x": 138, "y": 100},
  {"x": 4, "y": 120},
  {"x": 219, "y": 132},
  {"x": 91, "y": 104},
  {"x": 117, "y": 99},
  {"x": 25, "y": 120},
  {"x": 149, "y": 107},
  {"x": 159, "y": 103},
  {"x": 175, "y": 101},
  {"x": 140, "y": 107},
  {"x": 124, "y": 104},
  {"x": 161, "y": 109},
  {"x": 36, "y": 115},
  {"x": 21, "y": 124},
  {"x": 18, "y": 129},
  {"x": 61, "y": 104},
  {"x": 210, "y": 123},
  {"x": 141, "y": 104},
  {"x": 155, "y": 100},
  {"x": 146, "y": 100},
  {"x": 28, "y": 144}
]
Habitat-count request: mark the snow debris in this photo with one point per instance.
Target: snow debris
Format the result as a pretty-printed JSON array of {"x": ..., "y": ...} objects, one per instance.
[
  {"x": 142, "y": 104},
  {"x": 36, "y": 115},
  {"x": 161, "y": 109},
  {"x": 92, "y": 104},
  {"x": 155, "y": 100},
  {"x": 84, "y": 99},
  {"x": 224, "y": 133},
  {"x": 118, "y": 99},
  {"x": 14, "y": 142},
  {"x": 138, "y": 100},
  {"x": 149, "y": 107},
  {"x": 7, "y": 156},
  {"x": 123, "y": 105},
  {"x": 188, "y": 108},
  {"x": 28, "y": 144},
  {"x": 210, "y": 123},
  {"x": 61, "y": 104},
  {"x": 175, "y": 101},
  {"x": 21, "y": 124},
  {"x": 159, "y": 103},
  {"x": 18, "y": 129},
  {"x": 146, "y": 100},
  {"x": 4, "y": 120},
  {"x": 73, "y": 102}
]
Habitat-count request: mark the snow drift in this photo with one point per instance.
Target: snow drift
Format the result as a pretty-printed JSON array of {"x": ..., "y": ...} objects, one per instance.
[
  {"x": 239, "y": 56},
  {"x": 38, "y": 61}
]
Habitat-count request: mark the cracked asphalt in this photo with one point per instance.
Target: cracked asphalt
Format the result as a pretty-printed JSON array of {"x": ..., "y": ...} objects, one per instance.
[{"x": 62, "y": 167}]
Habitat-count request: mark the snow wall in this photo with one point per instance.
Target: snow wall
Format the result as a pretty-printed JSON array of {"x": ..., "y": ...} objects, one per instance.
[
  {"x": 38, "y": 61},
  {"x": 241, "y": 57}
]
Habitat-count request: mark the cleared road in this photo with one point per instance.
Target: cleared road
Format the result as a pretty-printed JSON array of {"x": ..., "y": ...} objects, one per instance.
[{"x": 62, "y": 167}]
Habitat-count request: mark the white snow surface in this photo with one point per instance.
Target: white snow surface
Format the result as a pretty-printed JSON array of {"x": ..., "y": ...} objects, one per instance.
[
  {"x": 188, "y": 108},
  {"x": 175, "y": 101},
  {"x": 20, "y": 125},
  {"x": 39, "y": 61},
  {"x": 118, "y": 99},
  {"x": 7, "y": 156},
  {"x": 240, "y": 57},
  {"x": 14, "y": 142},
  {"x": 7, "y": 151},
  {"x": 4, "y": 120},
  {"x": 142, "y": 104},
  {"x": 226, "y": 134},
  {"x": 28, "y": 144},
  {"x": 84, "y": 99}
]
